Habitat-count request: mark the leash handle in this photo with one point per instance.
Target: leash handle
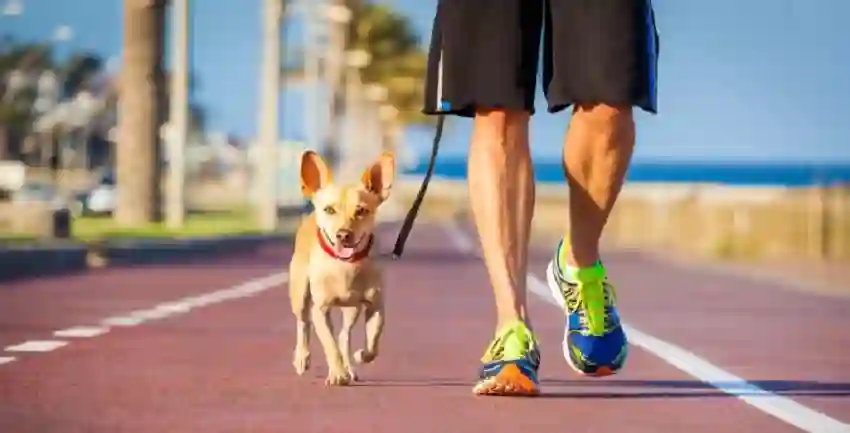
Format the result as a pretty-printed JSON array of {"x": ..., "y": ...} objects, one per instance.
[{"x": 407, "y": 225}]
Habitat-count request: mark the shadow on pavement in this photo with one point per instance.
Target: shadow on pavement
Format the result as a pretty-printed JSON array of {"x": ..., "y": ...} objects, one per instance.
[
  {"x": 694, "y": 388},
  {"x": 638, "y": 389},
  {"x": 428, "y": 256}
]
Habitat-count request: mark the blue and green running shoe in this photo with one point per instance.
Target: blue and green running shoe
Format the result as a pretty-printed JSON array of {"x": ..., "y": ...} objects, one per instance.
[
  {"x": 594, "y": 341},
  {"x": 510, "y": 363}
]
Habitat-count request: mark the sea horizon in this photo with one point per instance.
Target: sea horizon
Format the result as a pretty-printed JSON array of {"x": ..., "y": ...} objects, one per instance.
[{"x": 753, "y": 173}]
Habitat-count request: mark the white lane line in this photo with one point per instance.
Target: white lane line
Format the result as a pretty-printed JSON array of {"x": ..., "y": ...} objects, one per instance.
[
  {"x": 6, "y": 359},
  {"x": 174, "y": 308},
  {"x": 121, "y": 321},
  {"x": 768, "y": 402},
  {"x": 81, "y": 332},
  {"x": 37, "y": 346},
  {"x": 182, "y": 306},
  {"x": 149, "y": 314}
]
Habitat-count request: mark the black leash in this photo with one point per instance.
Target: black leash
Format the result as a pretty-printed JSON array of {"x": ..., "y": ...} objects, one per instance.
[{"x": 414, "y": 208}]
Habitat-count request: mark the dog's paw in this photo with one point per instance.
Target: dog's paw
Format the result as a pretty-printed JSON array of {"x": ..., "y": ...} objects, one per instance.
[
  {"x": 339, "y": 377},
  {"x": 363, "y": 356},
  {"x": 352, "y": 374},
  {"x": 301, "y": 361}
]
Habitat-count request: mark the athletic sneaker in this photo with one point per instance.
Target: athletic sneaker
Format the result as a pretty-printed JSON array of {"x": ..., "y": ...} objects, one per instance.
[
  {"x": 594, "y": 341},
  {"x": 510, "y": 363}
]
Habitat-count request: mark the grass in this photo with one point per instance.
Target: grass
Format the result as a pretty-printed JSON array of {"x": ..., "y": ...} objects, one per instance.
[
  {"x": 15, "y": 240},
  {"x": 94, "y": 228},
  {"x": 196, "y": 225}
]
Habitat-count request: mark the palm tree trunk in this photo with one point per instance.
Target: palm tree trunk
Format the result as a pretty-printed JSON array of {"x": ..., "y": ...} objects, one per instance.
[{"x": 140, "y": 114}]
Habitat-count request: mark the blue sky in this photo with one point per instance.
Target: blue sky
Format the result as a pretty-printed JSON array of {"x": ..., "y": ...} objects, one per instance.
[{"x": 748, "y": 81}]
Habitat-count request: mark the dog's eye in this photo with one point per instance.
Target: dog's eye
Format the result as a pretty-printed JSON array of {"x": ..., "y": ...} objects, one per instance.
[
  {"x": 330, "y": 210},
  {"x": 361, "y": 212}
]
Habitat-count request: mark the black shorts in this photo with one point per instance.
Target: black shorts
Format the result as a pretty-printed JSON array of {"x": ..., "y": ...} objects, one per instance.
[{"x": 484, "y": 54}]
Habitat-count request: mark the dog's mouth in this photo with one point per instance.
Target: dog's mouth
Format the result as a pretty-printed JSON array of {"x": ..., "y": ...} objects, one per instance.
[
  {"x": 345, "y": 250},
  {"x": 348, "y": 248}
]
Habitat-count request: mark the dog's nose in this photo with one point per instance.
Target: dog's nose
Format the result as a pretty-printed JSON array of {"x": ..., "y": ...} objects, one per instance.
[{"x": 344, "y": 235}]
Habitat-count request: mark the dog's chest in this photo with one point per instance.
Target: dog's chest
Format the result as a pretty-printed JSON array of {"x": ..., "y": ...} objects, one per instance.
[{"x": 340, "y": 288}]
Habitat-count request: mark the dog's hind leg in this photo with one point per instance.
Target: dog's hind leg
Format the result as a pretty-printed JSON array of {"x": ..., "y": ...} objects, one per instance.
[
  {"x": 349, "y": 318},
  {"x": 374, "y": 328},
  {"x": 299, "y": 297}
]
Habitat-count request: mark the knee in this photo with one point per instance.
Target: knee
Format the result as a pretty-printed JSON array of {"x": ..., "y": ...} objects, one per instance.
[
  {"x": 603, "y": 118},
  {"x": 505, "y": 126},
  {"x": 501, "y": 116}
]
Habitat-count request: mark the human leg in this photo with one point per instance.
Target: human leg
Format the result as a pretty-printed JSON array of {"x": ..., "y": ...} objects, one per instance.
[
  {"x": 482, "y": 65},
  {"x": 602, "y": 61}
]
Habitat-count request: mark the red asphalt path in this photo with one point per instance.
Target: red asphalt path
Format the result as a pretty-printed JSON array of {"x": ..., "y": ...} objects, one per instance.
[{"x": 226, "y": 367}]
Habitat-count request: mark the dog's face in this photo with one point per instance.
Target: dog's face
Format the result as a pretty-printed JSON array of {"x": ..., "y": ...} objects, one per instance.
[{"x": 345, "y": 214}]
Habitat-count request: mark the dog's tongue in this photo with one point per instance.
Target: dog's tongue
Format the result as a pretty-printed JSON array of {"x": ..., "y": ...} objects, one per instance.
[{"x": 344, "y": 252}]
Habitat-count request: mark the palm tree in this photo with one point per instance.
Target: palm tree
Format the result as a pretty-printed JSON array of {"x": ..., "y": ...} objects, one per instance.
[
  {"x": 397, "y": 59},
  {"x": 397, "y": 62},
  {"x": 78, "y": 72},
  {"x": 141, "y": 105},
  {"x": 20, "y": 65}
]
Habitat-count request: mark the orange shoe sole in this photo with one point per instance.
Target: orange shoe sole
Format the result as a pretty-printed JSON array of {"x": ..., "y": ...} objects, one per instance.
[
  {"x": 509, "y": 382},
  {"x": 603, "y": 371}
]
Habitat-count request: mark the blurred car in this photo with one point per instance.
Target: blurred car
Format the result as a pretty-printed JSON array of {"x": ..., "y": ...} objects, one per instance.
[{"x": 98, "y": 200}]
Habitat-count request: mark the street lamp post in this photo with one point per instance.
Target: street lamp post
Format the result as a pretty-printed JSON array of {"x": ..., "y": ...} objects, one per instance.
[
  {"x": 312, "y": 99},
  {"x": 267, "y": 159},
  {"x": 177, "y": 131},
  {"x": 376, "y": 95},
  {"x": 355, "y": 61},
  {"x": 336, "y": 16}
]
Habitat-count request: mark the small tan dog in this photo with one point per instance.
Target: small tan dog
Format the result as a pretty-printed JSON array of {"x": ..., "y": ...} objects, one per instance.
[{"x": 332, "y": 267}]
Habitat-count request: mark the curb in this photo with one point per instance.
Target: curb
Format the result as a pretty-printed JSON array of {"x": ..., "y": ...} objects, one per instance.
[
  {"x": 124, "y": 253},
  {"x": 18, "y": 263},
  {"x": 34, "y": 262}
]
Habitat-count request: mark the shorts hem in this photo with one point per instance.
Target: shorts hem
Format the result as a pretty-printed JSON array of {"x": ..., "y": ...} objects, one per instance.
[{"x": 557, "y": 108}]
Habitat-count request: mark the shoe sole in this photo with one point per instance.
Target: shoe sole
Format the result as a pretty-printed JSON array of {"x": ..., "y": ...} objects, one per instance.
[
  {"x": 555, "y": 291},
  {"x": 510, "y": 382}
]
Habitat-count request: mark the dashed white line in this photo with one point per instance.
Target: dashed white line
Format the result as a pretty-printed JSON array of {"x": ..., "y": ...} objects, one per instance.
[
  {"x": 776, "y": 405},
  {"x": 159, "y": 311},
  {"x": 181, "y": 306},
  {"x": 122, "y": 321},
  {"x": 81, "y": 332},
  {"x": 37, "y": 346}
]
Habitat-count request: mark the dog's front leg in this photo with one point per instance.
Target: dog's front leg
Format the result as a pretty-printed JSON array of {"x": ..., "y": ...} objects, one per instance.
[
  {"x": 337, "y": 374},
  {"x": 349, "y": 318}
]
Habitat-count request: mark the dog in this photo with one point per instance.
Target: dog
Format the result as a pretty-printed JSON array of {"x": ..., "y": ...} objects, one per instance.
[{"x": 333, "y": 266}]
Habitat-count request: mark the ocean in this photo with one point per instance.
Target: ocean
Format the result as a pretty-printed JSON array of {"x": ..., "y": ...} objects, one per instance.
[{"x": 749, "y": 174}]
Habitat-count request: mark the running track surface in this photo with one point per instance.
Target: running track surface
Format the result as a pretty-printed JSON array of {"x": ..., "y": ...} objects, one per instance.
[{"x": 193, "y": 349}]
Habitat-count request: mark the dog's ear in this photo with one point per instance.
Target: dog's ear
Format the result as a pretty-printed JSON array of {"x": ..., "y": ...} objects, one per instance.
[
  {"x": 379, "y": 177},
  {"x": 315, "y": 173}
]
